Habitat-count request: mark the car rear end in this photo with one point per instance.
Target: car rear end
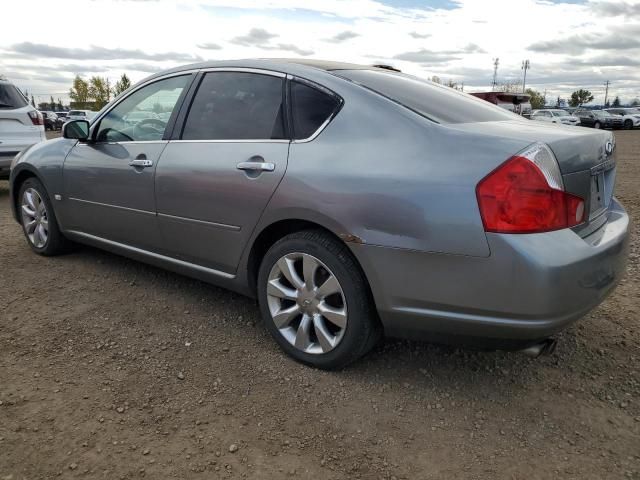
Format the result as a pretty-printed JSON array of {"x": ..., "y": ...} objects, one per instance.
[
  {"x": 21, "y": 125},
  {"x": 543, "y": 199}
]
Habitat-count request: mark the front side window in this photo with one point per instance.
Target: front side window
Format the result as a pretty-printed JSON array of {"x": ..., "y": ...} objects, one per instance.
[
  {"x": 310, "y": 108},
  {"x": 236, "y": 106},
  {"x": 138, "y": 117}
]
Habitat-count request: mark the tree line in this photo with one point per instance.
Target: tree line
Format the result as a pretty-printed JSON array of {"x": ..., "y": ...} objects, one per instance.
[{"x": 97, "y": 91}]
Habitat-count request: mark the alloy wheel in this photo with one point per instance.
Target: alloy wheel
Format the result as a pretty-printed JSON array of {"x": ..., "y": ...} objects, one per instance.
[
  {"x": 307, "y": 303},
  {"x": 34, "y": 218}
]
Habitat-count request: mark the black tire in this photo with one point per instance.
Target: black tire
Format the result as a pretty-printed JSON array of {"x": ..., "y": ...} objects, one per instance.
[
  {"x": 628, "y": 124},
  {"x": 56, "y": 243},
  {"x": 596, "y": 125},
  {"x": 363, "y": 329}
]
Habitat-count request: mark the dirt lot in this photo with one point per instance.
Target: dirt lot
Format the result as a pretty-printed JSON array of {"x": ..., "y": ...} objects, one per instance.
[{"x": 113, "y": 369}]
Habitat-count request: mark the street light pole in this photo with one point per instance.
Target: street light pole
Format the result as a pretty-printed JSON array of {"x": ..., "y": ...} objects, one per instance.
[{"x": 525, "y": 66}]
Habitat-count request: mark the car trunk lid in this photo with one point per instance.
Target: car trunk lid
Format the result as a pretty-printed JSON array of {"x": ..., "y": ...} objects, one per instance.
[{"x": 585, "y": 156}]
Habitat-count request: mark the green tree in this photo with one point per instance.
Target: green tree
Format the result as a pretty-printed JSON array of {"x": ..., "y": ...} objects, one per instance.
[
  {"x": 536, "y": 99},
  {"x": 60, "y": 107},
  {"x": 616, "y": 102},
  {"x": 121, "y": 85},
  {"x": 79, "y": 93},
  {"x": 635, "y": 102},
  {"x": 99, "y": 91},
  {"x": 52, "y": 104},
  {"x": 580, "y": 97}
]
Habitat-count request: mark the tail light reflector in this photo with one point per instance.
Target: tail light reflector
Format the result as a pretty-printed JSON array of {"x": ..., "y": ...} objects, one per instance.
[
  {"x": 526, "y": 195},
  {"x": 36, "y": 117}
]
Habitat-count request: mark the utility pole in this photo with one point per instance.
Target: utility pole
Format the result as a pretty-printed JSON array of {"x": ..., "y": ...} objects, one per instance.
[
  {"x": 496, "y": 62},
  {"x": 525, "y": 66},
  {"x": 606, "y": 92}
]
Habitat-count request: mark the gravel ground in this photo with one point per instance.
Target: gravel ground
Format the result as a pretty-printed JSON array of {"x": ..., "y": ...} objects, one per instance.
[{"x": 113, "y": 369}]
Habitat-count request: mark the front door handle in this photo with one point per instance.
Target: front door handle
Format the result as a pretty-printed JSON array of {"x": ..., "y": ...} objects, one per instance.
[
  {"x": 141, "y": 163},
  {"x": 257, "y": 166}
]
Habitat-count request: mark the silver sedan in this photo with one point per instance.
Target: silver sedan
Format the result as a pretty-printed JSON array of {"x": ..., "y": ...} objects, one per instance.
[{"x": 351, "y": 201}]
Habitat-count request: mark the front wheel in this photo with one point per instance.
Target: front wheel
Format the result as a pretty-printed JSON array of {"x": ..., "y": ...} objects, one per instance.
[
  {"x": 628, "y": 124},
  {"x": 596, "y": 125},
  {"x": 315, "y": 300},
  {"x": 39, "y": 220}
]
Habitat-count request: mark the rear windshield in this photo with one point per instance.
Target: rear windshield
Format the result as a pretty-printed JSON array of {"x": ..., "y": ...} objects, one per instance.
[
  {"x": 77, "y": 113},
  {"x": 10, "y": 97},
  {"x": 436, "y": 102}
]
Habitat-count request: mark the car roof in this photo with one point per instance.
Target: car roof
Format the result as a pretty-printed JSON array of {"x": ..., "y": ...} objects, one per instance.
[{"x": 293, "y": 66}]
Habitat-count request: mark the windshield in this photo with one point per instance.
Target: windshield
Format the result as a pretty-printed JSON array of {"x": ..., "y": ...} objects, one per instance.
[
  {"x": 436, "y": 102},
  {"x": 10, "y": 97}
]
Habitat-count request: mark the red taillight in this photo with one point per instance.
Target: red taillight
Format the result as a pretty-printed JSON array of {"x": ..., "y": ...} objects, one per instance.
[
  {"x": 517, "y": 198},
  {"x": 36, "y": 117}
]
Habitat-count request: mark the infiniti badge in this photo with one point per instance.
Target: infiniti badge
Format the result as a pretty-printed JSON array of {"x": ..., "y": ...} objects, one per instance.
[{"x": 608, "y": 147}]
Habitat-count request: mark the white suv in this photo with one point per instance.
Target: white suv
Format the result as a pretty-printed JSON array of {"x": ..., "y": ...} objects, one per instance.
[{"x": 21, "y": 125}]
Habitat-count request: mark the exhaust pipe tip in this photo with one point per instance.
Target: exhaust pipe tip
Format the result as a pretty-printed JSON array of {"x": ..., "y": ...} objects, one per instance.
[{"x": 545, "y": 347}]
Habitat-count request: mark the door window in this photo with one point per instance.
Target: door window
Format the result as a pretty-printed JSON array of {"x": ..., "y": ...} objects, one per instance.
[
  {"x": 143, "y": 115},
  {"x": 311, "y": 108},
  {"x": 236, "y": 106}
]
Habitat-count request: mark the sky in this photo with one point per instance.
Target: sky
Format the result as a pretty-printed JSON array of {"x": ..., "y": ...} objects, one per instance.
[{"x": 570, "y": 44}]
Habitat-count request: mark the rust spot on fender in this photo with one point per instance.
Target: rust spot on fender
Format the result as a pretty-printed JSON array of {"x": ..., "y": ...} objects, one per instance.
[{"x": 348, "y": 237}]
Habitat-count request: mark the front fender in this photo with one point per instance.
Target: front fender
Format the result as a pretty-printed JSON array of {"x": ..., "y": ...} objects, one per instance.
[{"x": 43, "y": 160}]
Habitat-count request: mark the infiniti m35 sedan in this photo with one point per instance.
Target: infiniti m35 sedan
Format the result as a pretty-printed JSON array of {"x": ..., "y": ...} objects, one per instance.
[{"x": 351, "y": 201}]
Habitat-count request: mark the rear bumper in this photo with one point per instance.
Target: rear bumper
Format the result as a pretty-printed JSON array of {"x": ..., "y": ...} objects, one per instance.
[{"x": 530, "y": 287}]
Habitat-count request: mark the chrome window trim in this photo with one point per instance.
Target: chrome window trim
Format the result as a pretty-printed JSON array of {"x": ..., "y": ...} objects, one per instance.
[
  {"x": 328, "y": 120},
  {"x": 250, "y": 140},
  {"x": 135, "y": 142},
  {"x": 259, "y": 71}
]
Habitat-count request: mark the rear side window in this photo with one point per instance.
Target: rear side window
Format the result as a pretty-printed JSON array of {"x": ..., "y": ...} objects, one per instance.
[
  {"x": 436, "y": 102},
  {"x": 310, "y": 109},
  {"x": 10, "y": 97},
  {"x": 236, "y": 106}
]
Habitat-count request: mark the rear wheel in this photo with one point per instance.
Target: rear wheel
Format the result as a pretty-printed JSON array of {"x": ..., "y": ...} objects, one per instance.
[
  {"x": 628, "y": 124},
  {"x": 39, "y": 220},
  {"x": 315, "y": 301},
  {"x": 596, "y": 125}
]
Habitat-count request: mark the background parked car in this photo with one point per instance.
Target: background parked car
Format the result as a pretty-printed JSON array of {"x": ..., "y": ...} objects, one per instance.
[
  {"x": 21, "y": 125},
  {"x": 598, "y": 119},
  {"x": 51, "y": 120},
  {"x": 555, "y": 116},
  {"x": 630, "y": 118},
  {"x": 80, "y": 115},
  {"x": 62, "y": 116}
]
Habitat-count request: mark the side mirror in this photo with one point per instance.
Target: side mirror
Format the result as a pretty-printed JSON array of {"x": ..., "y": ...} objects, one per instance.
[{"x": 76, "y": 130}]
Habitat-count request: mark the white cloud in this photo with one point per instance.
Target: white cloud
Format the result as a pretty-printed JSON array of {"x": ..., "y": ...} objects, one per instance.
[{"x": 569, "y": 45}]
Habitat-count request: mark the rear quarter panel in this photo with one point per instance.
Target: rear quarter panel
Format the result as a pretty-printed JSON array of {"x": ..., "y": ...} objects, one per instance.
[{"x": 389, "y": 177}]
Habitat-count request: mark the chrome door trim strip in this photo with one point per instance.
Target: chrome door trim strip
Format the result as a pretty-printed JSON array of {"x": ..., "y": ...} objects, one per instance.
[
  {"x": 224, "y": 226},
  {"x": 118, "y": 207},
  {"x": 157, "y": 256}
]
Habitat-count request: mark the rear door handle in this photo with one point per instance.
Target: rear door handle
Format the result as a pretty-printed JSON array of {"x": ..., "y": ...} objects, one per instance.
[{"x": 257, "y": 166}]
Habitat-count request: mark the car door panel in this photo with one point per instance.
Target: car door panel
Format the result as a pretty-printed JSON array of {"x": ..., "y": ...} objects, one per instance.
[
  {"x": 110, "y": 198},
  {"x": 207, "y": 207}
]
